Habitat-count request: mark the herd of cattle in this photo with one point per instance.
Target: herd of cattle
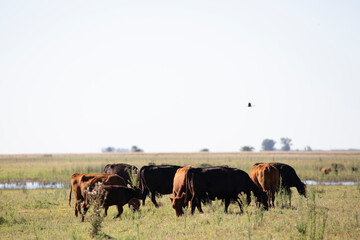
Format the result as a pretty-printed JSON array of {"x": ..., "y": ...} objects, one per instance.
[
  {"x": 189, "y": 185},
  {"x": 336, "y": 168}
]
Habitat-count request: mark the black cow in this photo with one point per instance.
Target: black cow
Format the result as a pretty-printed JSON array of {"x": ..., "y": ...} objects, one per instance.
[
  {"x": 289, "y": 178},
  {"x": 122, "y": 169},
  {"x": 221, "y": 183},
  {"x": 116, "y": 195},
  {"x": 156, "y": 180}
]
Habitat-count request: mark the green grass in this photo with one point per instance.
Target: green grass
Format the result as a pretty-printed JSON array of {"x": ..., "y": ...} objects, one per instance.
[{"x": 45, "y": 214}]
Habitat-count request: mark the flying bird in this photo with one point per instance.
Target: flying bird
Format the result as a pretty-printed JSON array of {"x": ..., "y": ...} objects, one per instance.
[{"x": 249, "y": 104}]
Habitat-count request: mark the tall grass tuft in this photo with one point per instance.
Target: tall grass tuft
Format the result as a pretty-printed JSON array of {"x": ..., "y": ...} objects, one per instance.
[
  {"x": 316, "y": 220},
  {"x": 133, "y": 178},
  {"x": 282, "y": 197},
  {"x": 247, "y": 211},
  {"x": 301, "y": 224},
  {"x": 96, "y": 198}
]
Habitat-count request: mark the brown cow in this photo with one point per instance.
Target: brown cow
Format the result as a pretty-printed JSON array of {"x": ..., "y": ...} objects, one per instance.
[
  {"x": 266, "y": 177},
  {"x": 325, "y": 170},
  {"x": 80, "y": 182},
  {"x": 179, "y": 190}
]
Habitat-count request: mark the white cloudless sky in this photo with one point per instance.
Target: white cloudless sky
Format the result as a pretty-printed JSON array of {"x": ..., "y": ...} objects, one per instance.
[{"x": 176, "y": 76}]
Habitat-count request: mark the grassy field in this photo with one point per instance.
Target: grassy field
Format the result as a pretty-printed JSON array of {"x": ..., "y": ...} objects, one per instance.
[
  {"x": 59, "y": 167},
  {"x": 331, "y": 212},
  {"x": 45, "y": 214}
]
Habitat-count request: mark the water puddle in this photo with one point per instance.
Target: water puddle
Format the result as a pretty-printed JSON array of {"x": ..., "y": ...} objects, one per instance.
[
  {"x": 40, "y": 185},
  {"x": 314, "y": 183},
  {"x": 31, "y": 185}
]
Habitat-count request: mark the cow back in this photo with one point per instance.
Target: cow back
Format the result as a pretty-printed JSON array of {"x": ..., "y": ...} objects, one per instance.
[
  {"x": 122, "y": 169},
  {"x": 157, "y": 178},
  {"x": 265, "y": 176}
]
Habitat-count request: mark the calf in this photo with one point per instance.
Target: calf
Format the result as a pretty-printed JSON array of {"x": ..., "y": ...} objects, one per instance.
[
  {"x": 116, "y": 195},
  {"x": 325, "y": 170}
]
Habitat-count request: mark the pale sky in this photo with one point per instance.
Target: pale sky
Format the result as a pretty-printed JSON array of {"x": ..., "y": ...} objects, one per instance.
[{"x": 176, "y": 76}]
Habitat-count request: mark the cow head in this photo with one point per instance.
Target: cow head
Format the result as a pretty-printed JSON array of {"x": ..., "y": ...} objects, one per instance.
[
  {"x": 138, "y": 194},
  {"x": 302, "y": 189},
  {"x": 134, "y": 204},
  {"x": 178, "y": 204},
  {"x": 264, "y": 200}
]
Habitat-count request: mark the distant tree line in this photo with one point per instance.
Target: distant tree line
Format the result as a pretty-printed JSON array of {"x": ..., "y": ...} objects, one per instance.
[
  {"x": 113, "y": 149},
  {"x": 269, "y": 145}
]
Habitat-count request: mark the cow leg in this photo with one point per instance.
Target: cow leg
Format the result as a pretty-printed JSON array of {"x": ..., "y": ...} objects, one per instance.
[
  {"x": 240, "y": 206},
  {"x": 76, "y": 210},
  {"x": 248, "y": 198},
  {"x": 153, "y": 199},
  {"x": 268, "y": 193},
  {"x": 120, "y": 210},
  {"x": 105, "y": 210},
  {"x": 144, "y": 193},
  {"x": 288, "y": 192},
  {"x": 78, "y": 207},
  {"x": 143, "y": 201},
  {"x": 198, "y": 205},
  {"x": 273, "y": 198},
  {"x": 85, "y": 208},
  {"x": 227, "y": 203},
  {"x": 193, "y": 205}
]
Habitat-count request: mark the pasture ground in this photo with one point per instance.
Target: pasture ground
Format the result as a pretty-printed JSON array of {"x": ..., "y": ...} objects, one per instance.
[
  {"x": 331, "y": 212},
  {"x": 45, "y": 214}
]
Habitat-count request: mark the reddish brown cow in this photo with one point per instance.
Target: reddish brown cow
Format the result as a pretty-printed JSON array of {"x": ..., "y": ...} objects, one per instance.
[
  {"x": 266, "y": 177},
  {"x": 179, "y": 190},
  {"x": 325, "y": 170},
  {"x": 80, "y": 182}
]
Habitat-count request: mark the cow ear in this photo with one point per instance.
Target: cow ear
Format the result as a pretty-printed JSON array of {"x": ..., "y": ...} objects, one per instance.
[{"x": 171, "y": 199}]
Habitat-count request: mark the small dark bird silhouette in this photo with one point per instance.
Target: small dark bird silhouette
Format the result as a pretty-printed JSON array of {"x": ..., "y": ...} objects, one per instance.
[{"x": 249, "y": 104}]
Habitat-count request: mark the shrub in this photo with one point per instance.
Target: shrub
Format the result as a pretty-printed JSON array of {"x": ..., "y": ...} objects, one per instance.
[{"x": 96, "y": 198}]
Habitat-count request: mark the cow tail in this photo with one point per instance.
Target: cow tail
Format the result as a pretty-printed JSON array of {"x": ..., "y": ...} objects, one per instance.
[
  {"x": 140, "y": 180},
  {"x": 70, "y": 195},
  {"x": 188, "y": 186},
  {"x": 142, "y": 183}
]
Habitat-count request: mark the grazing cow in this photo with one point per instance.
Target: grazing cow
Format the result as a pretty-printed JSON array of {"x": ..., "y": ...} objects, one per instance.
[
  {"x": 79, "y": 182},
  {"x": 325, "y": 170},
  {"x": 289, "y": 178},
  {"x": 337, "y": 167},
  {"x": 116, "y": 195},
  {"x": 123, "y": 170},
  {"x": 266, "y": 177},
  {"x": 179, "y": 190},
  {"x": 221, "y": 183},
  {"x": 156, "y": 180}
]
